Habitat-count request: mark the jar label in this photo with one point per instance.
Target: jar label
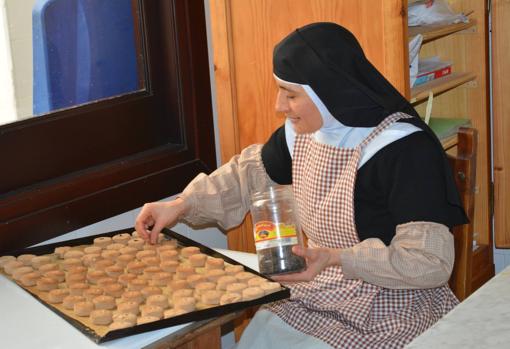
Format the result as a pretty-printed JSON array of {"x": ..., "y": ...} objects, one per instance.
[{"x": 268, "y": 234}]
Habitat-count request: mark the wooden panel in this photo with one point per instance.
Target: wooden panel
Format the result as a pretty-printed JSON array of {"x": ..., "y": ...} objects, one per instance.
[
  {"x": 244, "y": 34},
  {"x": 501, "y": 105}
]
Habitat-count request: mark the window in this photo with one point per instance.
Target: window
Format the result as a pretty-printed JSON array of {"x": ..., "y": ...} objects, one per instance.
[{"x": 73, "y": 167}]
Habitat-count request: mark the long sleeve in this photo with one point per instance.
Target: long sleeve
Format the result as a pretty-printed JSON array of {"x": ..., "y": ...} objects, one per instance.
[
  {"x": 420, "y": 255},
  {"x": 223, "y": 197}
]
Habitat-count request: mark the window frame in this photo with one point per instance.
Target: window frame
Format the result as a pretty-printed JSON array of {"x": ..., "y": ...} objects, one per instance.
[{"x": 74, "y": 167}]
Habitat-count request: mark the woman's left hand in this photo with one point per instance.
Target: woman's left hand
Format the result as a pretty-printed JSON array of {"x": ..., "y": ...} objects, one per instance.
[{"x": 317, "y": 259}]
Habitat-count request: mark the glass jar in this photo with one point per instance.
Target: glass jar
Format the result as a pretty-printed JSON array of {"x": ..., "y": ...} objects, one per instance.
[{"x": 276, "y": 229}]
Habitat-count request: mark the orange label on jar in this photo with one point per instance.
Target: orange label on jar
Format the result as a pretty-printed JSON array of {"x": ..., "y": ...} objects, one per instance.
[{"x": 267, "y": 234}]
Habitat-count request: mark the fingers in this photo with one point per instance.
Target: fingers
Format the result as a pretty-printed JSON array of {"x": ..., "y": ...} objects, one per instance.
[
  {"x": 141, "y": 223},
  {"x": 158, "y": 226}
]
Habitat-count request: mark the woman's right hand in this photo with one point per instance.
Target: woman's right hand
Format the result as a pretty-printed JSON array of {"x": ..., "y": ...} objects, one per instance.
[{"x": 158, "y": 215}]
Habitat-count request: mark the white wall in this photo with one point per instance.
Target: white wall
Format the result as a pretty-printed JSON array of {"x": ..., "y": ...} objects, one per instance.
[
  {"x": 7, "y": 98},
  {"x": 19, "y": 18}
]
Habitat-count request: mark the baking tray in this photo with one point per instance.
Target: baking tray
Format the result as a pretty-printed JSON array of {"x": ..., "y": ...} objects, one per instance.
[{"x": 196, "y": 315}]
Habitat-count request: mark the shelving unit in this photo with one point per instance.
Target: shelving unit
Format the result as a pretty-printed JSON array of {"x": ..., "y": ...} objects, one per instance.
[
  {"x": 438, "y": 31},
  {"x": 438, "y": 86},
  {"x": 463, "y": 94}
]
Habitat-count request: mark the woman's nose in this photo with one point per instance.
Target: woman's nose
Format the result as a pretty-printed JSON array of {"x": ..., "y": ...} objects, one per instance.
[{"x": 281, "y": 105}]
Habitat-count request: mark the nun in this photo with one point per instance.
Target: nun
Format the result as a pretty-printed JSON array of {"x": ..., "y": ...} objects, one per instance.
[{"x": 376, "y": 197}]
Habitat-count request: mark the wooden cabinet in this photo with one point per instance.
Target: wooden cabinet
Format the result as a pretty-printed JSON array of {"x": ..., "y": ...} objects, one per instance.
[{"x": 244, "y": 33}]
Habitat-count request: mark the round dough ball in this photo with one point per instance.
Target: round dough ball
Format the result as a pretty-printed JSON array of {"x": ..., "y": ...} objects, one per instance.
[
  {"x": 40, "y": 260},
  {"x": 125, "y": 317},
  {"x": 133, "y": 296},
  {"x": 204, "y": 286},
  {"x": 106, "y": 281},
  {"x": 61, "y": 251},
  {"x": 10, "y": 266},
  {"x": 83, "y": 308},
  {"x": 30, "y": 279},
  {"x": 256, "y": 281},
  {"x": 144, "y": 319},
  {"x": 229, "y": 298},
  {"x": 150, "y": 291},
  {"x": 183, "y": 271},
  {"x": 70, "y": 263},
  {"x": 90, "y": 259},
  {"x": 149, "y": 272},
  {"x": 6, "y": 259},
  {"x": 102, "y": 264},
  {"x": 145, "y": 253},
  {"x": 115, "y": 290},
  {"x": 26, "y": 259},
  {"x": 114, "y": 271},
  {"x": 58, "y": 275},
  {"x": 119, "y": 325},
  {"x": 195, "y": 279},
  {"x": 214, "y": 263},
  {"x": 161, "y": 279},
  {"x": 236, "y": 287},
  {"x": 178, "y": 285},
  {"x": 211, "y": 297},
  {"x": 151, "y": 310},
  {"x": 78, "y": 288},
  {"x": 128, "y": 250},
  {"x": 214, "y": 274},
  {"x": 124, "y": 259},
  {"x": 159, "y": 300},
  {"x": 101, "y": 317},
  {"x": 224, "y": 281},
  {"x": 92, "y": 250},
  {"x": 94, "y": 275},
  {"x": 186, "y": 252},
  {"x": 56, "y": 296},
  {"x": 102, "y": 241},
  {"x": 92, "y": 293},
  {"x": 104, "y": 302},
  {"x": 185, "y": 292},
  {"x": 174, "y": 312},
  {"x": 170, "y": 266},
  {"x": 270, "y": 287},
  {"x": 129, "y": 307},
  {"x": 48, "y": 267},
  {"x": 124, "y": 279},
  {"x": 73, "y": 254},
  {"x": 251, "y": 293},
  {"x": 121, "y": 238},
  {"x": 115, "y": 246},
  {"x": 234, "y": 269},
  {"x": 110, "y": 254},
  {"x": 73, "y": 278},
  {"x": 185, "y": 303},
  {"x": 46, "y": 284},
  {"x": 197, "y": 260},
  {"x": 19, "y": 272},
  {"x": 244, "y": 276},
  {"x": 69, "y": 301},
  {"x": 135, "y": 267},
  {"x": 170, "y": 255},
  {"x": 137, "y": 284},
  {"x": 136, "y": 243}
]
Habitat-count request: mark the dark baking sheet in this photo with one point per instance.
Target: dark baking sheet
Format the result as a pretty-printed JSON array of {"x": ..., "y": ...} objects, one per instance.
[{"x": 177, "y": 320}]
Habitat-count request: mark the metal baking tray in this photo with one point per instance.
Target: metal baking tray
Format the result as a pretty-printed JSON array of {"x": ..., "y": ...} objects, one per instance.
[{"x": 196, "y": 315}]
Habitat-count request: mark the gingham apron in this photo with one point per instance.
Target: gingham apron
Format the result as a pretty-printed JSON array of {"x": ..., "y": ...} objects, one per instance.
[{"x": 348, "y": 313}]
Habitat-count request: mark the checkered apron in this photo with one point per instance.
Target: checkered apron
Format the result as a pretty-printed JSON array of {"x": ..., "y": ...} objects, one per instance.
[{"x": 348, "y": 313}]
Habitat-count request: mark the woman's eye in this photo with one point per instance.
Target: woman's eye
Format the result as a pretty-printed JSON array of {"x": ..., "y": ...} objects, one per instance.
[{"x": 290, "y": 97}]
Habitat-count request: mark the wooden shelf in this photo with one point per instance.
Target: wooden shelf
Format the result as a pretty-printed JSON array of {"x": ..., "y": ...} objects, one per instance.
[
  {"x": 433, "y": 32},
  {"x": 438, "y": 86}
]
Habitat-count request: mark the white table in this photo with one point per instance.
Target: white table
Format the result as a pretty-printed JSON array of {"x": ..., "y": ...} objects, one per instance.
[
  {"x": 480, "y": 321},
  {"x": 26, "y": 323}
]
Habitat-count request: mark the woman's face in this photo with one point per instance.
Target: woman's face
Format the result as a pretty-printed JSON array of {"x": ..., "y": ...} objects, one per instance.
[{"x": 293, "y": 101}]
